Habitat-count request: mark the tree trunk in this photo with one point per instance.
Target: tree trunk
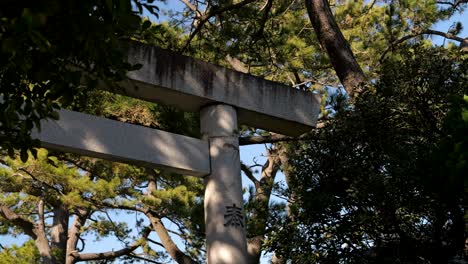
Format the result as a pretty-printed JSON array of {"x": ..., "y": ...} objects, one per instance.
[
  {"x": 74, "y": 235},
  {"x": 59, "y": 232},
  {"x": 41, "y": 241},
  {"x": 161, "y": 230},
  {"x": 330, "y": 37},
  {"x": 260, "y": 214},
  {"x": 290, "y": 214},
  {"x": 168, "y": 243}
]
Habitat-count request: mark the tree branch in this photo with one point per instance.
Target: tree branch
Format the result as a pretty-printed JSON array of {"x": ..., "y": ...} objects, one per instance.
[
  {"x": 272, "y": 138},
  {"x": 24, "y": 224},
  {"x": 424, "y": 32},
  {"x": 75, "y": 230},
  {"x": 190, "y": 6},
  {"x": 172, "y": 249},
  {"x": 236, "y": 64},
  {"x": 144, "y": 259},
  {"x": 113, "y": 254},
  {"x": 118, "y": 206},
  {"x": 264, "y": 19},
  {"x": 249, "y": 174},
  {"x": 369, "y": 7},
  {"x": 41, "y": 182},
  {"x": 209, "y": 14},
  {"x": 454, "y": 5},
  {"x": 155, "y": 242},
  {"x": 41, "y": 241},
  {"x": 338, "y": 49},
  {"x": 40, "y": 211},
  {"x": 260, "y": 212}
]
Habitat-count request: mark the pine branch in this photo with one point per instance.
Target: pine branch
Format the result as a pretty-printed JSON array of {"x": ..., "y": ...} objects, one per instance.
[
  {"x": 42, "y": 242},
  {"x": 118, "y": 206},
  {"x": 264, "y": 19},
  {"x": 248, "y": 172},
  {"x": 144, "y": 259},
  {"x": 190, "y": 6},
  {"x": 41, "y": 182},
  {"x": 453, "y": 5},
  {"x": 172, "y": 249},
  {"x": 113, "y": 254},
  {"x": 208, "y": 15},
  {"x": 272, "y": 138},
  {"x": 236, "y": 64},
  {"x": 155, "y": 242},
  {"x": 24, "y": 224},
  {"x": 40, "y": 212},
  {"x": 338, "y": 49},
  {"x": 75, "y": 230},
  {"x": 424, "y": 32}
]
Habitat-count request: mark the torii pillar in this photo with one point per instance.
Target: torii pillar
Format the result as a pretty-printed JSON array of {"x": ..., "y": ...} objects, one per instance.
[{"x": 224, "y": 218}]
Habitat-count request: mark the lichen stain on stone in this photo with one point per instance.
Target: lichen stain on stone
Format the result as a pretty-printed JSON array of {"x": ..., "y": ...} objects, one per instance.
[
  {"x": 168, "y": 67},
  {"x": 231, "y": 90},
  {"x": 207, "y": 78}
]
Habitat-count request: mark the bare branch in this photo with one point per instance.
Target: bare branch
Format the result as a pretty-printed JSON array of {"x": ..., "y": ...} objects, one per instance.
[
  {"x": 181, "y": 234},
  {"x": 275, "y": 138},
  {"x": 445, "y": 35}
]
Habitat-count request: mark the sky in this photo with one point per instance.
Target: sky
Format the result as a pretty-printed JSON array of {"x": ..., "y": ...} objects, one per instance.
[{"x": 248, "y": 153}]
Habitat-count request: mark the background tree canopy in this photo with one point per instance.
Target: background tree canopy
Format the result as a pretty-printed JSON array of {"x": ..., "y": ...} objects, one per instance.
[
  {"x": 386, "y": 181},
  {"x": 383, "y": 179}
]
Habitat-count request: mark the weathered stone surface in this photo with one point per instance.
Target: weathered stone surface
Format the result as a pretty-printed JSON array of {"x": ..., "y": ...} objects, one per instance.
[
  {"x": 224, "y": 217},
  {"x": 190, "y": 84},
  {"x": 117, "y": 141}
]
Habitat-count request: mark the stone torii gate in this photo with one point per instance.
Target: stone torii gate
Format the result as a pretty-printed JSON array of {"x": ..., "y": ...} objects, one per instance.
[{"x": 223, "y": 97}]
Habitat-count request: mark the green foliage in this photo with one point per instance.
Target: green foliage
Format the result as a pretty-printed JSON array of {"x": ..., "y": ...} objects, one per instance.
[
  {"x": 25, "y": 254},
  {"x": 52, "y": 52},
  {"x": 143, "y": 113},
  {"x": 100, "y": 191},
  {"x": 381, "y": 183}
]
